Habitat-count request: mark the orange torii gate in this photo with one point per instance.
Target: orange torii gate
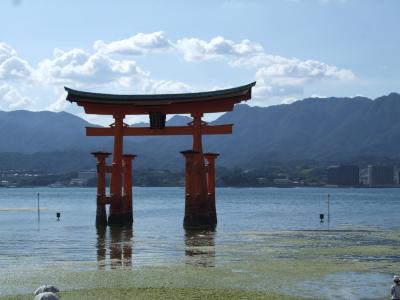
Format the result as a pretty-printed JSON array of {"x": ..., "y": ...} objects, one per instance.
[{"x": 200, "y": 209}]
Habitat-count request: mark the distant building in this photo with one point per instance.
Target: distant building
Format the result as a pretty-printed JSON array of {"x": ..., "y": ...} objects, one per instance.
[
  {"x": 262, "y": 180},
  {"x": 380, "y": 175},
  {"x": 344, "y": 175},
  {"x": 364, "y": 176},
  {"x": 83, "y": 177},
  {"x": 77, "y": 182},
  {"x": 88, "y": 174},
  {"x": 282, "y": 181},
  {"x": 4, "y": 183}
]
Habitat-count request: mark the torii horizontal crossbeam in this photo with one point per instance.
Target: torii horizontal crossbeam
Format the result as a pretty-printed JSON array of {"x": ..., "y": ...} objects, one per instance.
[{"x": 171, "y": 130}]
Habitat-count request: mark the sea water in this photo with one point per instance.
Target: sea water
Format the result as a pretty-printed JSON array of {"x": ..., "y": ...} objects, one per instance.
[{"x": 261, "y": 234}]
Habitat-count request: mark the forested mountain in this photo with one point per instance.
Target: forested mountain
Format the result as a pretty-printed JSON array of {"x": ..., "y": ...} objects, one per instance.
[{"x": 316, "y": 129}]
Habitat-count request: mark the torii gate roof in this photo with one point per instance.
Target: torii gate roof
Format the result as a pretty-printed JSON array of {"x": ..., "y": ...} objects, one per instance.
[{"x": 203, "y": 102}]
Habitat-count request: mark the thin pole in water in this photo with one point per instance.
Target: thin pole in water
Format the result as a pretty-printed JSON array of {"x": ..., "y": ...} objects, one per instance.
[
  {"x": 329, "y": 214},
  {"x": 38, "y": 206}
]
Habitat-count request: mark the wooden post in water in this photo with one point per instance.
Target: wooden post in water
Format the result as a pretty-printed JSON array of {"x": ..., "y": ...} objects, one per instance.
[
  {"x": 38, "y": 206},
  {"x": 329, "y": 214}
]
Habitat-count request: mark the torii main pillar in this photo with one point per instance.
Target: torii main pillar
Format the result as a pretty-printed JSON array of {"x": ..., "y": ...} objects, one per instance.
[{"x": 200, "y": 211}]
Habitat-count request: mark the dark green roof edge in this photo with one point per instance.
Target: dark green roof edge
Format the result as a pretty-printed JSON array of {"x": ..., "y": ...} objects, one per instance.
[{"x": 74, "y": 95}]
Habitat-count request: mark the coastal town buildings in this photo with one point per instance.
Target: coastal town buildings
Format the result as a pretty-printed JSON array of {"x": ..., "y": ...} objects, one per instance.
[
  {"x": 344, "y": 175},
  {"x": 380, "y": 175}
]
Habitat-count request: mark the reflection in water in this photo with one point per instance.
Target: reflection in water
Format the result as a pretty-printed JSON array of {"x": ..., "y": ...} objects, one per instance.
[
  {"x": 118, "y": 241},
  {"x": 101, "y": 246},
  {"x": 200, "y": 248}
]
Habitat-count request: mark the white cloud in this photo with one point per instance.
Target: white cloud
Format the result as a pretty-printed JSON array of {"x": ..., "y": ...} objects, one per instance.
[
  {"x": 281, "y": 79},
  {"x": 14, "y": 74},
  {"x": 14, "y": 68},
  {"x": 6, "y": 52},
  {"x": 166, "y": 87},
  {"x": 11, "y": 99},
  {"x": 138, "y": 44},
  {"x": 192, "y": 49},
  {"x": 198, "y": 50},
  {"x": 99, "y": 71},
  {"x": 265, "y": 93},
  {"x": 278, "y": 66},
  {"x": 11, "y": 66},
  {"x": 109, "y": 67},
  {"x": 60, "y": 104},
  {"x": 84, "y": 69},
  {"x": 294, "y": 71}
]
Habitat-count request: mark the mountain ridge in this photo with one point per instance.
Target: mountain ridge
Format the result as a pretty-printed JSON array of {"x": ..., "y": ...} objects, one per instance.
[{"x": 317, "y": 129}]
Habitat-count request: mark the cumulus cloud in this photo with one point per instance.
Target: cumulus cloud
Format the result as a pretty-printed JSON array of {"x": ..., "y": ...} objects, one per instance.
[
  {"x": 11, "y": 99},
  {"x": 82, "y": 68},
  {"x": 280, "y": 78},
  {"x": 100, "y": 70},
  {"x": 12, "y": 67},
  {"x": 192, "y": 49},
  {"x": 299, "y": 72},
  {"x": 6, "y": 52},
  {"x": 138, "y": 44},
  {"x": 166, "y": 87},
  {"x": 109, "y": 67},
  {"x": 197, "y": 50},
  {"x": 278, "y": 66},
  {"x": 277, "y": 76},
  {"x": 15, "y": 73},
  {"x": 60, "y": 104}
]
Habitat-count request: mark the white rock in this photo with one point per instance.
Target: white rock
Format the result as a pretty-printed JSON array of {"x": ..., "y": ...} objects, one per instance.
[
  {"x": 46, "y": 296},
  {"x": 46, "y": 288}
]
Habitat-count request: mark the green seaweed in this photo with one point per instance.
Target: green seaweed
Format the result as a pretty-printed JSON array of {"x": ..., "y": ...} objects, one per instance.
[
  {"x": 262, "y": 263},
  {"x": 163, "y": 293}
]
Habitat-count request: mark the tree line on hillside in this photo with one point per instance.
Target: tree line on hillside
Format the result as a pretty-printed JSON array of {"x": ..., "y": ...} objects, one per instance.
[
  {"x": 235, "y": 177},
  {"x": 325, "y": 130}
]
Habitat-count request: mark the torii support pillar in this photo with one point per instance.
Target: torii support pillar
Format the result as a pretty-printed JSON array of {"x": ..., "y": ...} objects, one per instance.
[
  {"x": 210, "y": 157},
  {"x": 124, "y": 205},
  {"x": 199, "y": 212},
  {"x": 116, "y": 203},
  {"x": 127, "y": 208},
  {"x": 101, "y": 215}
]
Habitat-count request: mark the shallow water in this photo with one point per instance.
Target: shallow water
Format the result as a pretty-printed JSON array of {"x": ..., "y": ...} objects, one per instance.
[{"x": 267, "y": 238}]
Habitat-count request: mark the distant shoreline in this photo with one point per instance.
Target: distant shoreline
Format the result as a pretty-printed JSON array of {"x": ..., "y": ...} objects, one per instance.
[{"x": 233, "y": 186}]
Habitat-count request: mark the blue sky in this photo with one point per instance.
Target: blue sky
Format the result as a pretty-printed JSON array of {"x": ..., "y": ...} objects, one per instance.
[{"x": 293, "y": 48}]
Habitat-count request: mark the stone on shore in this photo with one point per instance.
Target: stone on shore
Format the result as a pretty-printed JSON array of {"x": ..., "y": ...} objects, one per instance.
[
  {"x": 46, "y": 296},
  {"x": 46, "y": 288}
]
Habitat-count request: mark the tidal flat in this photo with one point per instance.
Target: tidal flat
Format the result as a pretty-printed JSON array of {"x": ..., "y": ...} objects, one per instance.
[
  {"x": 314, "y": 264},
  {"x": 164, "y": 293}
]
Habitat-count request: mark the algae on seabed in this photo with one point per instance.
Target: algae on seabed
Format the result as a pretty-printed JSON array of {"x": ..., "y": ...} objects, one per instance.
[
  {"x": 164, "y": 293},
  {"x": 267, "y": 264}
]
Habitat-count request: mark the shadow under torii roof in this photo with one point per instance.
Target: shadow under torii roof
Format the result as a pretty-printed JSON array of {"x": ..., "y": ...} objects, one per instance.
[{"x": 186, "y": 103}]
